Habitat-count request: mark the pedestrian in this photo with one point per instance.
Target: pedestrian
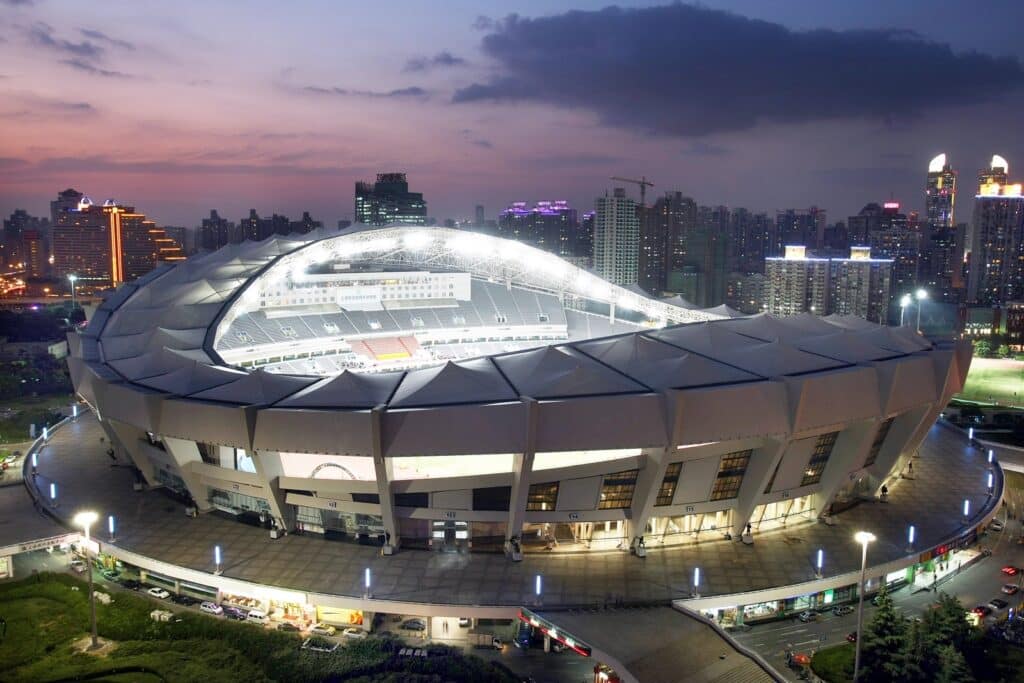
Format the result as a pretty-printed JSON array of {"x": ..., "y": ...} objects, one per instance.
[{"x": 910, "y": 467}]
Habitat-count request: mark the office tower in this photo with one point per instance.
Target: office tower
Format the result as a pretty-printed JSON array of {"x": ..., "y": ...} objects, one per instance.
[
  {"x": 585, "y": 239},
  {"x": 745, "y": 292},
  {"x": 1015, "y": 325},
  {"x": 674, "y": 218},
  {"x": 860, "y": 285},
  {"x": 941, "y": 263},
  {"x": 215, "y": 232},
  {"x": 616, "y": 238},
  {"x": 893, "y": 239},
  {"x": 799, "y": 226},
  {"x": 796, "y": 283},
  {"x": 837, "y": 237},
  {"x": 35, "y": 253},
  {"x": 548, "y": 225},
  {"x": 996, "y": 273},
  {"x": 13, "y": 248},
  {"x": 701, "y": 277},
  {"x": 109, "y": 244},
  {"x": 388, "y": 201},
  {"x": 344, "y": 223},
  {"x": 303, "y": 225},
  {"x": 478, "y": 217},
  {"x": 66, "y": 201},
  {"x": 652, "y": 264}
]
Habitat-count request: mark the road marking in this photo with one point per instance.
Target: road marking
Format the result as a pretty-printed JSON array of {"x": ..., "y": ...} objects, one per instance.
[{"x": 806, "y": 642}]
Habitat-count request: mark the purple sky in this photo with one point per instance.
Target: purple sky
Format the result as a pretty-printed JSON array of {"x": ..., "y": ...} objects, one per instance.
[{"x": 181, "y": 107}]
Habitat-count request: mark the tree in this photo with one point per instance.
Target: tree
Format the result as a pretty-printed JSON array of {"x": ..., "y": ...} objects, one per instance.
[
  {"x": 914, "y": 654},
  {"x": 982, "y": 348},
  {"x": 883, "y": 650},
  {"x": 952, "y": 666}
]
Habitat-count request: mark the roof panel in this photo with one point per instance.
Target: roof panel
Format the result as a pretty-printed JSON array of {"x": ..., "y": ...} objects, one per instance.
[
  {"x": 471, "y": 381},
  {"x": 775, "y": 359},
  {"x": 560, "y": 371},
  {"x": 347, "y": 390},
  {"x": 256, "y": 388}
]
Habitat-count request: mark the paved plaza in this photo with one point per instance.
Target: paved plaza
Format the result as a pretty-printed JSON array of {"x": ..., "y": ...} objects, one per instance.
[{"x": 152, "y": 524}]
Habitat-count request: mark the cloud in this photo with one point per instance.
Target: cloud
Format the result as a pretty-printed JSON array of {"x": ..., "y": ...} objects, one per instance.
[
  {"x": 692, "y": 71},
  {"x": 482, "y": 23},
  {"x": 412, "y": 91},
  {"x": 104, "y": 38},
  {"x": 486, "y": 144},
  {"x": 443, "y": 59},
  {"x": 12, "y": 162},
  {"x": 700, "y": 148},
  {"x": 17, "y": 3},
  {"x": 568, "y": 160},
  {"x": 42, "y": 35},
  {"x": 88, "y": 68},
  {"x": 104, "y": 164}
]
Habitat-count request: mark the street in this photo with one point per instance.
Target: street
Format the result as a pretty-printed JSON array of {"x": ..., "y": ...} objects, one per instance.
[{"x": 974, "y": 585}]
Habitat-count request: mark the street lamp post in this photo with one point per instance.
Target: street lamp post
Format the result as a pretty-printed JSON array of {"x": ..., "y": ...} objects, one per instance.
[
  {"x": 216, "y": 559},
  {"x": 904, "y": 302},
  {"x": 921, "y": 295},
  {"x": 862, "y": 537},
  {"x": 74, "y": 303},
  {"x": 85, "y": 520}
]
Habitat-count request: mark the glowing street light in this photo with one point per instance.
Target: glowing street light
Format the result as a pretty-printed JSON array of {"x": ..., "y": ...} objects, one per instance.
[
  {"x": 864, "y": 538},
  {"x": 366, "y": 582},
  {"x": 74, "y": 303},
  {"x": 216, "y": 559},
  {"x": 991, "y": 482},
  {"x": 904, "y": 302},
  {"x": 821, "y": 562},
  {"x": 967, "y": 509},
  {"x": 911, "y": 533},
  {"x": 53, "y": 494},
  {"x": 991, "y": 456},
  {"x": 696, "y": 582},
  {"x": 110, "y": 527},
  {"x": 920, "y": 295},
  {"x": 86, "y": 519}
]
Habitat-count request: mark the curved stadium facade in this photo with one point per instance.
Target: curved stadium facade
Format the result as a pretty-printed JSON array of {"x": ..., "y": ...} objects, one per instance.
[{"x": 426, "y": 387}]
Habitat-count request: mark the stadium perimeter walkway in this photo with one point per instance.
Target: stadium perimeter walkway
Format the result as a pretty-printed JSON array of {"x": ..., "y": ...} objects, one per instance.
[{"x": 151, "y": 524}]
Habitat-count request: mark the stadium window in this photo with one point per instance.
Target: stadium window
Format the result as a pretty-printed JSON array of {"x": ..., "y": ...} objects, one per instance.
[
  {"x": 816, "y": 465},
  {"x": 493, "y": 498},
  {"x": 668, "y": 484},
  {"x": 617, "y": 490},
  {"x": 876, "y": 445},
  {"x": 366, "y": 498},
  {"x": 730, "y": 475},
  {"x": 542, "y": 497},
  {"x": 412, "y": 500}
]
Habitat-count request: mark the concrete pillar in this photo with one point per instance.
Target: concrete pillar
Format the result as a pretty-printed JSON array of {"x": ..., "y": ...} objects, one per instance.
[
  {"x": 848, "y": 454},
  {"x": 759, "y": 472},
  {"x": 184, "y": 453},
  {"x": 905, "y": 436},
  {"x": 645, "y": 495},
  {"x": 177, "y": 587},
  {"x": 382, "y": 473},
  {"x": 547, "y": 643},
  {"x": 270, "y": 469},
  {"x": 124, "y": 440},
  {"x": 522, "y": 469},
  {"x": 143, "y": 575},
  {"x": 430, "y": 627}
]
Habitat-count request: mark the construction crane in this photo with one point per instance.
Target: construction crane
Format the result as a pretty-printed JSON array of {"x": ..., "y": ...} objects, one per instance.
[{"x": 644, "y": 183}]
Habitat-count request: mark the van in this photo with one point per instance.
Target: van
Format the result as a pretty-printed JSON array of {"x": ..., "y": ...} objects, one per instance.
[{"x": 258, "y": 617}]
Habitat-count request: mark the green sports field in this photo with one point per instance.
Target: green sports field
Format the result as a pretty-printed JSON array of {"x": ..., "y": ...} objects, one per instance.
[{"x": 995, "y": 380}]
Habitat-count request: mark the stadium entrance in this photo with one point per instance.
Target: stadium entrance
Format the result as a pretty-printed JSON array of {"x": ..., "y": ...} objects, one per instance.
[{"x": 450, "y": 535}]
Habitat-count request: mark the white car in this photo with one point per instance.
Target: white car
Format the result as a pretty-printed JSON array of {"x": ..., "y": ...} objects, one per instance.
[
  {"x": 211, "y": 608},
  {"x": 78, "y": 566},
  {"x": 158, "y": 593},
  {"x": 322, "y": 629},
  {"x": 354, "y": 633}
]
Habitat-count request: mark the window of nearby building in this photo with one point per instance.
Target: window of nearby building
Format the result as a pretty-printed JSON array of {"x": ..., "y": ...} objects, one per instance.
[
  {"x": 730, "y": 475},
  {"x": 542, "y": 496},
  {"x": 816, "y": 465},
  {"x": 366, "y": 498},
  {"x": 617, "y": 490},
  {"x": 494, "y": 498},
  {"x": 876, "y": 445},
  {"x": 668, "y": 484},
  {"x": 412, "y": 500}
]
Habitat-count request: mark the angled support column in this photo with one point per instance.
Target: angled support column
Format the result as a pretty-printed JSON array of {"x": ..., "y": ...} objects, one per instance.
[
  {"x": 848, "y": 454},
  {"x": 905, "y": 437},
  {"x": 124, "y": 440},
  {"x": 759, "y": 472},
  {"x": 648, "y": 484},
  {"x": 522, "y": 468},
  {"x": 269, "y": 470},
  {"x": 184, "y": 453},
  {"x": 383, "y": 474}
]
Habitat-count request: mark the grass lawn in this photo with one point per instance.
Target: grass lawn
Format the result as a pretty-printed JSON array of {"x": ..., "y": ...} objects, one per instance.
[
  {"x": 46, "y": 615},
  {"x": 834, "y": 664},
  {"x": 17, "y": 415},
  {"x": 995, "y": 380}
]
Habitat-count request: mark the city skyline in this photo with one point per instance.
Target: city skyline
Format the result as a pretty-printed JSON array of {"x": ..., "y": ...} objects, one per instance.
[{"x": 156, "y": 114}]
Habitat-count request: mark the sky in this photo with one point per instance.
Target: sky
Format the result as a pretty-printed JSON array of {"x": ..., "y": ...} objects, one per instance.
[{"x": 179, "y": 108}]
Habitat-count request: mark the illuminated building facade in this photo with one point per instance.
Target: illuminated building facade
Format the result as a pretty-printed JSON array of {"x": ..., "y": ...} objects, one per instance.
[
  {"x": 997, "y": 238},
  {"x": 548, "y": 225},
  {"x": 388, "y": 201},
  {"x": 616, "y": 238},
  {"x": 860, "y": 285},
  {"x": 796, "y": 283}
]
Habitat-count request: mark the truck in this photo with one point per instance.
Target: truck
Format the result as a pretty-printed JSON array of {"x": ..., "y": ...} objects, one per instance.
[{"x": 479, "y": 639}]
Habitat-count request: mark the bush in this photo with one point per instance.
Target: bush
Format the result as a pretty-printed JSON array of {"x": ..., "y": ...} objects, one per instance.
[{"x": 834, "y": 664}]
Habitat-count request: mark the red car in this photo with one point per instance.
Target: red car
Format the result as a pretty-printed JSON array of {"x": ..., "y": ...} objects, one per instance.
[
  {"x": 852, "y": 637},
  {"x": 982, "y": 611},
  {"x": 1010, "y": 570}
]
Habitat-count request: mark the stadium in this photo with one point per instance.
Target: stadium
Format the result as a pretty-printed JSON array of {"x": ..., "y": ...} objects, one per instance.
[{"x": 430, "y": 388}]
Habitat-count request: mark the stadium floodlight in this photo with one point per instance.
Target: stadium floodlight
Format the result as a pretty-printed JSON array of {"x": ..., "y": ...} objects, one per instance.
[{"x": 417, "y": 241}]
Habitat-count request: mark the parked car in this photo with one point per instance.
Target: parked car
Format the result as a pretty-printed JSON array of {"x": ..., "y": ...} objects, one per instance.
[
  {"x": 807, "y": 616},
  {"x": 317, "y": 644},
  {"x": 354, "y": 633},
  {"x": 1010, "y": 588},
  {"x": 464, "y": 622},
  {"x": 982, "y": 611},
  {"x": 288, "y": 626},
  {"x": 995, "y": 525},
  {"x": 842, "y": 610},
  {"x": 414, "y": 625},
  {"x": 131, "y": 584},
  {"x": 156, "y": 592},
  {"x": 1010, "y": 570},
  {"x": 997, "y": 604},
  {"x": 322, "y": 629},
  {"x": 235, "y": 613},
  {"x": 210, "y": 607},
  {"x": 78, "y": 566},
  {"x": 257, "y": 617},
  {"x": 110, "y": 574},
  {"x": 851, "y": 637},
  {"x": 185, "y": 600}
]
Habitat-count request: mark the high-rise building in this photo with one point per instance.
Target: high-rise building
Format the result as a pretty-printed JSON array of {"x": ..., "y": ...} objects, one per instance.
[
  {"x": 548, "y": 225},
  {"x": 799, "y": 226},
  {"x": 109, "y": 244},
  {"x": 796, "y": 283},
  {"x": 616, "y": 238},
  {"x": 893, "y": 239},
  {"x": 940, "y": 194},
  {"x": 996, "y": 273},
  {"x": 389, "y": 201},
  {"x": 14, "y": 252},
  {"x": 35, "y": 253},
  {"x": 66, "y": 201},
  {"x": 704, "y": 264},
  {"x": 941, "y": 263},
  {"x": 860, "y": 285},
  {"x": 304, "y": 225},
  {"x": 215, "y": 232},
  {"x": 674, "y": 219},
  {"x": 585, "y": 239},
  {"x": 479, "y": 220},
  {"x": 745, "y": 292}
]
